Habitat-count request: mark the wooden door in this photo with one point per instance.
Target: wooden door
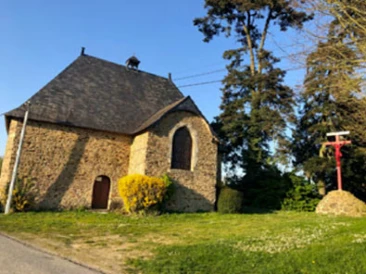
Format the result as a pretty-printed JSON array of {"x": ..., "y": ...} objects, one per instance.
[{"x": 101, "y": 192}]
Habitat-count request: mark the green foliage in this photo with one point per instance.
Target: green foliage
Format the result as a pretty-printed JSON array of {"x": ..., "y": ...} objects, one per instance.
[
  {"x": 230, "y": 201},
  {"x": 141, "y": 193},
  {"x": 354, "y": 171},
  {"x": 266, "y": 191},
  {"x": 170, "y": 189},
  {"x": 302, "y": 196},
  {"x": 332, "y": 101},
  {"x": 169, "y": 184},
  {"x": 23, "y": 197},
  {"x": 275, "y": 191},
  {"x": 256, "y": 104}
]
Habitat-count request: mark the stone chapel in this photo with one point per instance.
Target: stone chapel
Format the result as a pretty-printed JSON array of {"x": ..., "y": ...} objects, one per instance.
[{"x": 98, "y": 121}]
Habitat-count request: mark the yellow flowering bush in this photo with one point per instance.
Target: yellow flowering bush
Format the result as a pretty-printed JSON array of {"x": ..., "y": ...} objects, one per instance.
[{"x": 140, "y": 192}]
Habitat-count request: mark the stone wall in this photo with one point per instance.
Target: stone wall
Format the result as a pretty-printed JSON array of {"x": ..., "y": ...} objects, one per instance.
[
  {"x": 195, "y": 188},
  {"x": 9, "y": 156},
  {"x": 65, "y": 161},
  {"x": 138, "y": 154}
]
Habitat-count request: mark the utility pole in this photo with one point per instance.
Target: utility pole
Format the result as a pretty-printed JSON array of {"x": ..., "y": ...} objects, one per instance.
[
  {"x": 337, "y": 145},
  {"x": 17, "y": 158}
]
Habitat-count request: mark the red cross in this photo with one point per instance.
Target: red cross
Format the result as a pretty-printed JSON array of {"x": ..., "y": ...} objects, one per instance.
[{"x": 338, "y": 154}]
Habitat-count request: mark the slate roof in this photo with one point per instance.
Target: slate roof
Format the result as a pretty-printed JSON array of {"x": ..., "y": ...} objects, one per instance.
[{"x": 98, "y": 94}]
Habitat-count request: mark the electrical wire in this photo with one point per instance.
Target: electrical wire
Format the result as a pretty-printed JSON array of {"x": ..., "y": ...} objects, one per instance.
[
  {"x": 207, "y": 66},
  {"x": 221, "y": 70},
  {"x": 217, "y": 81},
  {"x": 200, "y": 84},
  {"x": 199, "y": 74}
]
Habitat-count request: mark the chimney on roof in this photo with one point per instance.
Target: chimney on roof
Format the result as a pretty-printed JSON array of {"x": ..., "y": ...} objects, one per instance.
[
  {"x": 133, "y": 63},
  {"x": 82, "y": 53},
  {"x": 170, "y": 77}
]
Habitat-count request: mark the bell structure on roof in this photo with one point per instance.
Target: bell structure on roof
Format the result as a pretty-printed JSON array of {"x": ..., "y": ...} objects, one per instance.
[{"x": 133, "y": 63}]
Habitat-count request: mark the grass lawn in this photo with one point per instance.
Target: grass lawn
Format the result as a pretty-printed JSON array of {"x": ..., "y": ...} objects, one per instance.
[{"x": 281, "y": 242}]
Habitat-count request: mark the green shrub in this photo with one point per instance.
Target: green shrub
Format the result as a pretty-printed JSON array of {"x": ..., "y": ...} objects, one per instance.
[
  {"x": 230, "y": 201},
  {"x": 266, "y": 190},
  {"x": 169, "y": 184},
  {"x": 302, "y": 196},
  {"x": 24, "y": 193},
  {"x": 141, "y": 193}
]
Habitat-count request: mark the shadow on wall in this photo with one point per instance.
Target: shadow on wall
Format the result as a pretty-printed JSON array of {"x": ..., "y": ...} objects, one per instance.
[
  {"x": 185, "y": 199},
  {"x": 55, "y": 193}
]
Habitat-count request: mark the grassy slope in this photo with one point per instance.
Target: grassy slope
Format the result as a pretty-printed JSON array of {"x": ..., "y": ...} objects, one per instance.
[{"x": 204, "y": 243}]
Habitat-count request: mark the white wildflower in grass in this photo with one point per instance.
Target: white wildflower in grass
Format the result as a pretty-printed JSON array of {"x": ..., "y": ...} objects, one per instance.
[
  {"x": 335, "y": 225},
  {"x": 359, "y": 238},
  {"x": 296, "y": 238},
  {"x": 342, "y": 224}
]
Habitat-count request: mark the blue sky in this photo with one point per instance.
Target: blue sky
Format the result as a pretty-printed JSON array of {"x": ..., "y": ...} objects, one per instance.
[{"x": 39, "y": 38}]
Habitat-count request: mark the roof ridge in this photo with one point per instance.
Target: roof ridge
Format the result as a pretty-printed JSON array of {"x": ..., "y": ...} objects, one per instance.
[
  {"x": 120, "y": 65},
  {"x": 123, "y": 66}
]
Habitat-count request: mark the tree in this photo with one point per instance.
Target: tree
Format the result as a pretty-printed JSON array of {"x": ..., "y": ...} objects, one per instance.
[
  {"x": 351, "y": 17},
  {"x": 256, "y": 104},
  {"x": 332, "y": 101}
]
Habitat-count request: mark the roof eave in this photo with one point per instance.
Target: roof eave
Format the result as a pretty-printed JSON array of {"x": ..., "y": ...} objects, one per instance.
[{"x": 173, "y": 107}]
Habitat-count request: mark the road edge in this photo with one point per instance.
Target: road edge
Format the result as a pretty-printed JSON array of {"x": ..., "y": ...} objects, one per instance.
[{"x": 39, "y": 249}]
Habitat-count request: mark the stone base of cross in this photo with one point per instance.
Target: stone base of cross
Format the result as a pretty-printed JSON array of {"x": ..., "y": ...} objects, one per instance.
[{"x": 337, "y": 145}]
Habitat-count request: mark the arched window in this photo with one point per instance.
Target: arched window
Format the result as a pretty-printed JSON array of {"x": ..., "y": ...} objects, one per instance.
[{"x": 182, "y": 149}]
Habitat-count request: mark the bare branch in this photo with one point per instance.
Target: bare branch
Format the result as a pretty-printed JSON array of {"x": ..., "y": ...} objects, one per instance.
[
  {"x": 263, "y": 38},
  {"x": 250, "y": 44}
]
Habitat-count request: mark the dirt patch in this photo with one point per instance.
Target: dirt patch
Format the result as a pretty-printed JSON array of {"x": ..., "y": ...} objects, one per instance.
[{"x": 105, "y": 253}]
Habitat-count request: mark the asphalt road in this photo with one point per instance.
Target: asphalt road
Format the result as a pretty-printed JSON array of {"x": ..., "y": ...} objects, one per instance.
[{"x": 16, "y": 257}]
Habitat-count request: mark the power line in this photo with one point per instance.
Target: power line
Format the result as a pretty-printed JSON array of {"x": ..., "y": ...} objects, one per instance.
[
  {"x": 289, "y": 56},
  {"x": 208, "y": 66},
  {"x": 200, "y": 74},
  {"x": 201, "y": 83},
  {"x": 217, "y": 81},
  {"x": 295, "y": 68}
]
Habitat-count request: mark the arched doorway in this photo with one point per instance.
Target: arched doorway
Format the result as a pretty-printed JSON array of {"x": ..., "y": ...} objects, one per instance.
[{"x": 101, "y": 192}]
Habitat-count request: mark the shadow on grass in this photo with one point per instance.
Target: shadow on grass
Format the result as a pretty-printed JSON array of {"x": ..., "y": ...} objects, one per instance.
[
  {"x": 255, "y": 210},
  {"x": 245, "y": 210}
]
